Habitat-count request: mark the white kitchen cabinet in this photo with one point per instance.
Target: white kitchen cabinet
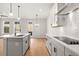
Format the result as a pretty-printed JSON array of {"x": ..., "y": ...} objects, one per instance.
[
  {"x": 54, "y": 47},
  {"x": 53, "y": 52},
  {"x": 25, "y": 44},
  {"x": 68, "y": 52},
  {"x": 49, "y": 44},
  {"x": 60, "y": 49},
  {"x": 57, "y": 48},
  {"x": 17, "y": 46},
  {"x": 61, "y": 20},
  {"x": 14, "y": 47},
  {"x": 29, "y": 41},
  {"x": 49, "y": 47}
]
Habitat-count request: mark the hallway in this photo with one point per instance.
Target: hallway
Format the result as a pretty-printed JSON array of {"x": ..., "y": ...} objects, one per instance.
[{"x": 37, "y": 48}]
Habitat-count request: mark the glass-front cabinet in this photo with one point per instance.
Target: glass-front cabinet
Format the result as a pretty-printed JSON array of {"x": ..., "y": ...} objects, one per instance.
[
  {"x": 6, "y": 27},
  {"x": 17, "y": 27}
]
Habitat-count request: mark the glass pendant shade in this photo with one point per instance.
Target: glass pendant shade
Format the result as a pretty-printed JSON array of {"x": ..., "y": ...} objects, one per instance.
[{"x": 10, "y": 14}]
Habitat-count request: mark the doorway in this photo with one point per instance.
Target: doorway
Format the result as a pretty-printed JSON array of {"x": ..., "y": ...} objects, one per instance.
[{"x": 30, "y": 27}]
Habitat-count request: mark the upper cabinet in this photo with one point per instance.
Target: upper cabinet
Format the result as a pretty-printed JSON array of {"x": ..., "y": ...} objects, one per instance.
[
  {"x": 57, "y": 20},
  {"x": 17, "y": 27},
  {"x": 66, "y": 8},
  {"x": 60, "y": 6},
  {"x": 6, "y": 27},
  {"x": 63, "y": 9}
]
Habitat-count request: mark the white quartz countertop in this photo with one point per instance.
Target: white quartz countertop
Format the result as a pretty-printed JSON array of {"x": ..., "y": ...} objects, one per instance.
[
  {"x": 13, "y": 36},
  {"x": 74, "y": 48}
]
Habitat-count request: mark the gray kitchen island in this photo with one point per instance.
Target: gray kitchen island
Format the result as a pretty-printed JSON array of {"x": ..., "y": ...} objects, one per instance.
[{"x": 11, "y": 45}]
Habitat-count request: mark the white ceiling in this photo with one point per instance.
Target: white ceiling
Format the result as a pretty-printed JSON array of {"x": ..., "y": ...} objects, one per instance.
[{"x": 27, "y": 10}]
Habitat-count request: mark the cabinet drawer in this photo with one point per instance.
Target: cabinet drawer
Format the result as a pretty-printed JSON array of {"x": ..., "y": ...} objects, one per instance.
[
  {"x": 57, "y": 48},
  {"x": 14, "y": 47},
  {"x": 68, "y": 52}
]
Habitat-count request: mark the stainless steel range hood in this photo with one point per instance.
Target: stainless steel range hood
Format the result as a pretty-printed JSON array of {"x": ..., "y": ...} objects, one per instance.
[{"x": 66, "y": 9}]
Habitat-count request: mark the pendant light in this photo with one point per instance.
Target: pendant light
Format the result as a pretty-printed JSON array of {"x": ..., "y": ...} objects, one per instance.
[
  {"x": 11, "y": 14},
  {"x": 18, "y": 13}
]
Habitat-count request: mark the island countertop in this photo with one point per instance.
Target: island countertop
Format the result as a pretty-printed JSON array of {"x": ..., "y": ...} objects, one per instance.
[{"x": 19, "y": 35}]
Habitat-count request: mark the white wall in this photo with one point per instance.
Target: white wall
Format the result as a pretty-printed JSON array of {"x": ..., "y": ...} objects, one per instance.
[
  {"x": 71, "y": 28},
  {"x": 39, "y": 31}
]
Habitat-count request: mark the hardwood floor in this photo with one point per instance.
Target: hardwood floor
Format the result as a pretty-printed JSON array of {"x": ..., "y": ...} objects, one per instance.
[{"x": 37, "y": 48}]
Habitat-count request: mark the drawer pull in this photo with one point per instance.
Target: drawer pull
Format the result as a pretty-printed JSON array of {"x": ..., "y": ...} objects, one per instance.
[
  {"x": 25, "y": 41},
  {"x": 55, "y": 49},
  {"x": 70, "y": 55}
]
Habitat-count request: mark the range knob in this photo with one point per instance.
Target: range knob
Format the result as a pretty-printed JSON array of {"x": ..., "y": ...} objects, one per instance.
[
  {"x": 71, "y": 42},
  {"x": 77, "y": 43}
]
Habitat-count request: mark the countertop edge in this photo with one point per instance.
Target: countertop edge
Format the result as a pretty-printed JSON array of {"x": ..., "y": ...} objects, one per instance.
[{"x": 15, "y": 36}]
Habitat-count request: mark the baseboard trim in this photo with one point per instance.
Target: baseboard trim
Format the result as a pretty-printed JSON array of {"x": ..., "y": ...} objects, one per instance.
[{"x": 26, "y": 51}]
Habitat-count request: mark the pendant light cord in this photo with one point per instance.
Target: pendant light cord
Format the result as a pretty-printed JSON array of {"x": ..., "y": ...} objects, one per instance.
[
  {"x": 10, "y": 7},
  {"x": 18, "y": 10}
]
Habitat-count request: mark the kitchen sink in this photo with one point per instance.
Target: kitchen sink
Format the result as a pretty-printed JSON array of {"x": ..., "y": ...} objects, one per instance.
[
  {"x": 67, "y": 40},
  {"x": 19, "y": 35}
]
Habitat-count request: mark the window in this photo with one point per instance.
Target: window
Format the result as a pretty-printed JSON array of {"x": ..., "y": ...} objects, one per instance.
[
  {"x": 6, "y": 27},
  {"x": 17, "y": 27},
  {"x": 30, "y": 27}
]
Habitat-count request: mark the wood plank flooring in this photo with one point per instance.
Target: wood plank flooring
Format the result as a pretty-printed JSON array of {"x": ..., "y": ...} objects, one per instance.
[{"x": 37, "y": 48}]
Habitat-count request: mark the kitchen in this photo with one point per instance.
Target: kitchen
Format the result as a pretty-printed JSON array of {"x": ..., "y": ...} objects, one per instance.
[{"x": 39, "y": 29}]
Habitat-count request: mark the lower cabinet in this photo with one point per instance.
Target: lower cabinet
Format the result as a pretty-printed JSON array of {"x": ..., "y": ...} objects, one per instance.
[
  {"x": 60, "y": 49},
  {"x": 14, "y": 47},
  {"x": 53, "y": 52},
  {"x": 49, "y": 45},
  {"x": 68, "y": 52},
  {"x": 25, "y": 44},
  {"x": 57, "y": 49},
  {"x": 29, "y": 37},
  {"x": 17, "y": 46},
  {"x": 54, "y": 47}
]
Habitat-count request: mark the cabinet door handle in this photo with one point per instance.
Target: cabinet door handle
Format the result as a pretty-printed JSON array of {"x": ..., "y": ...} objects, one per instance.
[
  {"x": 50, "y": 44},
  {"x": 26, "y": 41},
  {"x": 55, "y": 49},
  {"x": 70, "y": 55}
]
